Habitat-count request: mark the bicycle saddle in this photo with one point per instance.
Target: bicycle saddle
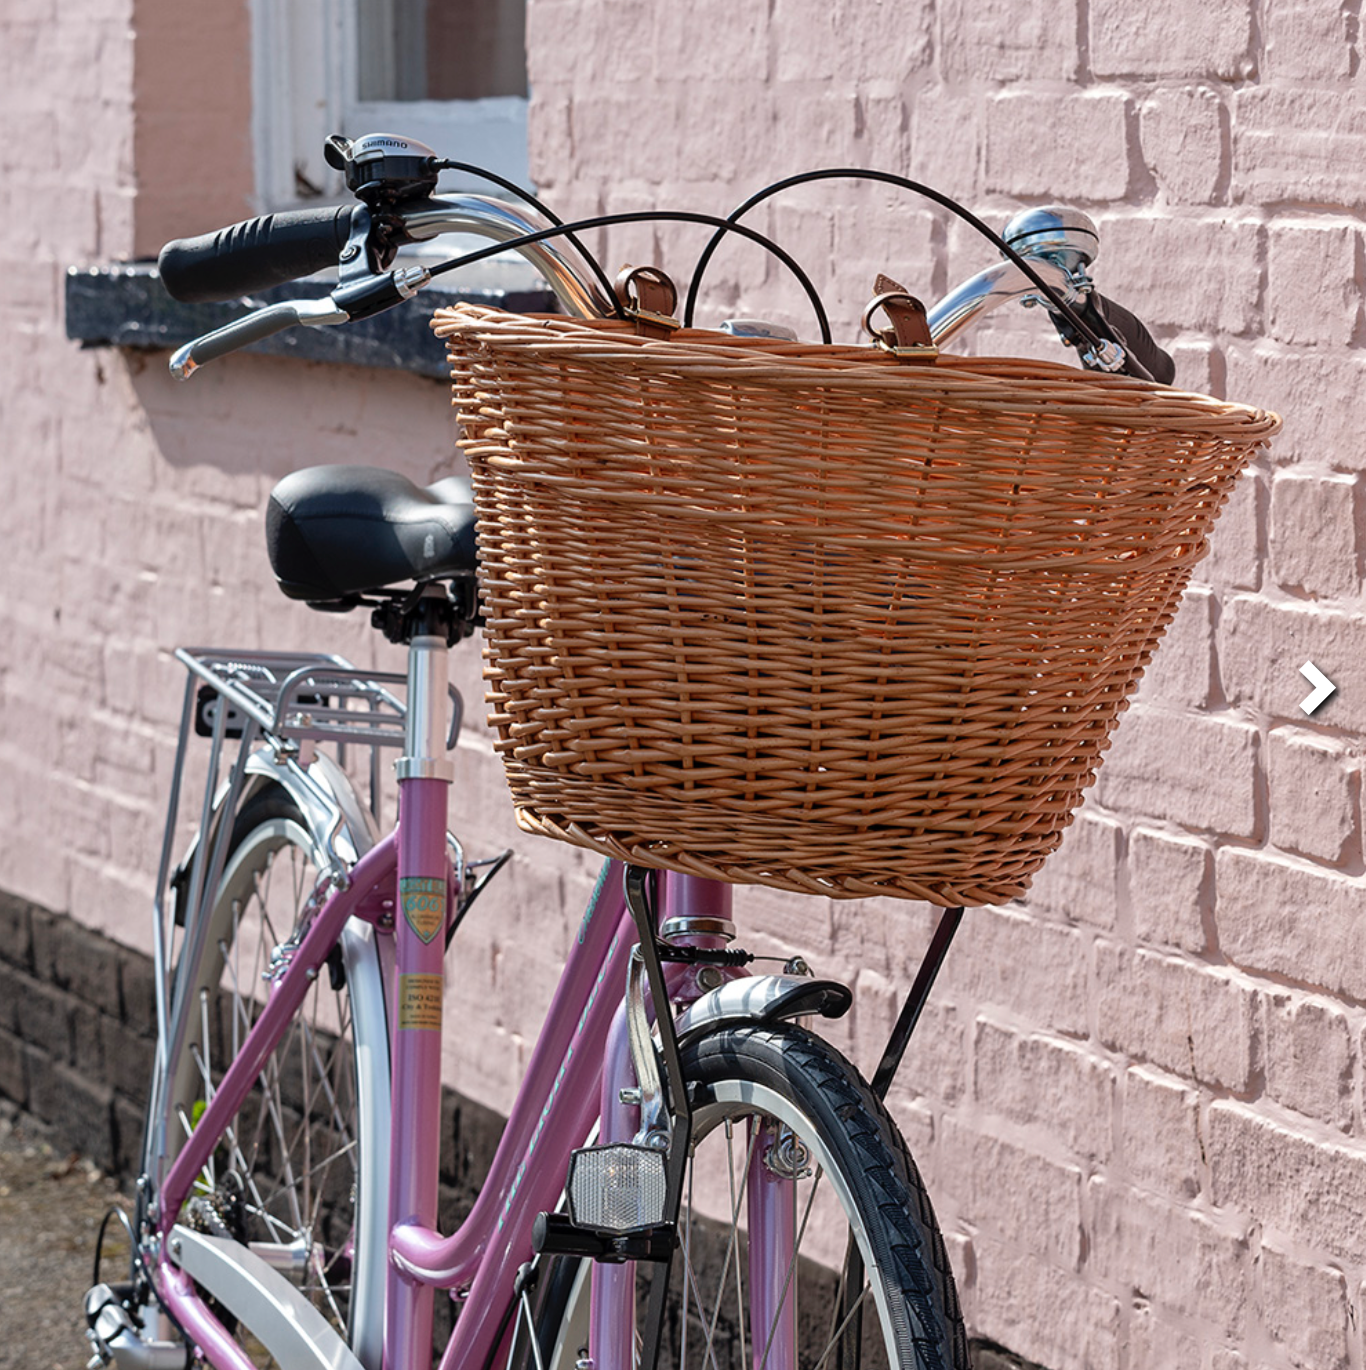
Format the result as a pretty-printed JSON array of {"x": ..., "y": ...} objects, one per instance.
[{"x": 334, "y": 532}]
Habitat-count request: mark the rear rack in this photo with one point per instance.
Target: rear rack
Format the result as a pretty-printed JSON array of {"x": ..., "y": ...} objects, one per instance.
[{"x": 295, "y": 697}]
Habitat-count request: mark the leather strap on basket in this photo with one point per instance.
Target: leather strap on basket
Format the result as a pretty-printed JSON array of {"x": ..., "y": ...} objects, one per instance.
[
  {"x": 649, "y": 298},
  {"x": 907, "y": 334}
]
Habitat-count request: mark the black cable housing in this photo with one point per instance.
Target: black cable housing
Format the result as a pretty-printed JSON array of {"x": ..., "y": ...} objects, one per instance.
[
  {"x": 905, "y": 183},
  {"x": 526, "y": 197},
  {"x": 650, "y": 216}
]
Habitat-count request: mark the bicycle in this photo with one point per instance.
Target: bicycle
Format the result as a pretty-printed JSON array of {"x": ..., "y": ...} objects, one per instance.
[{"x": 287, "y": 1205}]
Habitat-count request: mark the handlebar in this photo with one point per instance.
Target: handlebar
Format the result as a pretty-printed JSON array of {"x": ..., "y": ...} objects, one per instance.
[
  {"x": 256, "y": 254},
  {"x": 1059, "y": 244}
]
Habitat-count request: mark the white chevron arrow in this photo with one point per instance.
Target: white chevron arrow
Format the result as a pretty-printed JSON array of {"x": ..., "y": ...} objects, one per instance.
[{"x": 1323, "y": 687}]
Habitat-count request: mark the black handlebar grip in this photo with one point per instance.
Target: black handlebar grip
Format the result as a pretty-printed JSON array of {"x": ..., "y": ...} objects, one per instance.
[
  {"x": 1131, "y": 334},
  {"x": 255, "y": 254}
]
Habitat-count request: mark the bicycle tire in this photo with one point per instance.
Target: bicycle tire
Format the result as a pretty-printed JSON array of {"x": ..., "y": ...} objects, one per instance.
[
  {"x": 757, "y": 1074},
  {"x": 299, "y": 1146}
]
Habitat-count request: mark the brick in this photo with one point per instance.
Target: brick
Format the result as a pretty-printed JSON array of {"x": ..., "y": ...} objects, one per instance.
[
  {"x": 14, "y": 988},
  {"x": 1182, "y": 674},
  {"x": 936, "y": 1059},
  {"x": 1085, "y": 155},
  {"x": 80, "y": 1110},
  {"x": 1306, "y": 1311},
  {"x": 1171, "y": 889},
  {"x": 1159, "y": 1133},
  {"x": 1314, "y": 793},
  {"x": 1155, "y": 1340},
  {"x": 137, "y": 991},
  {"x": 87, "y": 1044},
  {"x": 1192, "y": 1019},
  {"x": 1301, "y": 1188},
  {"x": 1015, "y": 1196},
  {"x": 16, "y": 936},
  {"x": 1263, "y": 645},
  {"x": 885, "y": 233},
  {"x": 975, "y": 45},
  {"x": 1180, "y": 1260},
  {"x": 1184, "y": 136},
  {"x": 1022, "y": 1076},
  {"x": 85, "y": 964},
  {"x": 1236, "y": 544},
  {"x": 1042, "y": 1313},
  {"x": 1212, "y": 40},
  {"x": 1309, "y": 295},
  {"x": 1305, "y": 41},
  {"x": 714, "y": 41},
  {"x": 807, "y": 46},
  {"x": 127, "y": 1139},
  {"x": 128, "y": 1060},
  {"x": 1291, "y": 919},
  {"x": 1309, "y": 1057},
  {"x": 1183, "y": 273},
  {"x": 1199, "y": 366},
  {"x": 1012, "y": 961},
  {"x": 1162, "y": 764},
  {"x": 46, "y": 1019},
  {"x": 876, "y": 934},
  {"x": 44, "y": 925},
  {"x": 1078, "y": 881},
  {"x": 13, "y": 1068},
  {"x": 1297, "y": 144},
  {"x": 1314, "y": 534}
]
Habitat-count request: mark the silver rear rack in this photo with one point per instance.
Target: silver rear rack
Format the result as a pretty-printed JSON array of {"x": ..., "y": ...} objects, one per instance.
[{"x": 298, "y": 697}]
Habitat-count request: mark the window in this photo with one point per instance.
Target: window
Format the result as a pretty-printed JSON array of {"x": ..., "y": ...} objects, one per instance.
[{"x": 451, "y": 73}]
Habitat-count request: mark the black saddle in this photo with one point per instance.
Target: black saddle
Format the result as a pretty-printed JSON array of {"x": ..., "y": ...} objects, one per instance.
[{"x": 335, "y": 532}]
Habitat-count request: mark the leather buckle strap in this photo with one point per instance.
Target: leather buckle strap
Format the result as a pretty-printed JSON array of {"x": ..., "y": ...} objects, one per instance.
[
  {"x": 907, "y": 333},
  {"x": 649, "y": 298}
]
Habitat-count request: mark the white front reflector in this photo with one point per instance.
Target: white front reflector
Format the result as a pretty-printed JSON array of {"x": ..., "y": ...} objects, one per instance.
[{"x": 616, "y": 1188}]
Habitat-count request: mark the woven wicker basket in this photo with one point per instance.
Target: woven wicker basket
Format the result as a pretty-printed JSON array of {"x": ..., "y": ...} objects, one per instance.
[{"x": 806, "y": 617}]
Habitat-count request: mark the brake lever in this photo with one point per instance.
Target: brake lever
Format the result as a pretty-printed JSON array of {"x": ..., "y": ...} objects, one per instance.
[
  {"x": 260, "y": 323},
  {"x": 359, "y": 300}
]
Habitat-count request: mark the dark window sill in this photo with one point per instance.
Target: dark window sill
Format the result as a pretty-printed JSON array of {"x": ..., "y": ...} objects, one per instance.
[{"x": 125, "y": 306}]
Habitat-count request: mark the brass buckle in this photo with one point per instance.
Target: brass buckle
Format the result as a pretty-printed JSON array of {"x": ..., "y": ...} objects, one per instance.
[
  {"x": 907, "y": 333},
  {"x": 649, "y": 298}
]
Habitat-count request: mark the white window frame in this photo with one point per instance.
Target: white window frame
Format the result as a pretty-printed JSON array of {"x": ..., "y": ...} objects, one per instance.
[{"x": 304, "y": 83}]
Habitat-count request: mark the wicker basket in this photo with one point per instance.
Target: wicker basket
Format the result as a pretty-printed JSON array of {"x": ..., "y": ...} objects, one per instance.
[{"x": 805, "y": 617}]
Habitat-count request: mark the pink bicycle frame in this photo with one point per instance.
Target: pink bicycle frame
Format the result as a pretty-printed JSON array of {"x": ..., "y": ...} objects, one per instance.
[{"x": 555, "y": 1110}]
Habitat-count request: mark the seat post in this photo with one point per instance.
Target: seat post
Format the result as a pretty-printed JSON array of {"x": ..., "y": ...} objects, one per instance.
[{"x": 424, "y": 750}]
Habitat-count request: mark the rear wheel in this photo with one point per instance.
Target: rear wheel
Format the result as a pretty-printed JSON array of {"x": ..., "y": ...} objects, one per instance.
[{"x": 290, "y": 1176}]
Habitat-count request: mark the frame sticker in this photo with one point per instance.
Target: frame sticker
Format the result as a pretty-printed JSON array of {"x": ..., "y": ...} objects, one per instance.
[
  {"x": 419, "y": 1002},
  {"x": 424, "y": 905}
]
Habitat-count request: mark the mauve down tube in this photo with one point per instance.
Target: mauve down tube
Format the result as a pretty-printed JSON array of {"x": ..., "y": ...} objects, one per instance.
[{"x": 415, "y": 1120}]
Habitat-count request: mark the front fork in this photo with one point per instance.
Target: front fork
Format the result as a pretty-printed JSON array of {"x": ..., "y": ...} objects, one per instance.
[{"x": 695, "y": 907}]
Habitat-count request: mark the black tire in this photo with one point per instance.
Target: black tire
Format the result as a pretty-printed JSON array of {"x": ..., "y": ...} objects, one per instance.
[
  {"x": 287, "y": 1175},
  {"x": 828, "y": 1120}
]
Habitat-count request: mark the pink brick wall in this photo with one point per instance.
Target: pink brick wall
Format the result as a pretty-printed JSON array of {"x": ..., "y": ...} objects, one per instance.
[{"x": 1138, "y": 1097}]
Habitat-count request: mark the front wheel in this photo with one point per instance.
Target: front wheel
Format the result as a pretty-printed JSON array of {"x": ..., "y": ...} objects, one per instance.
[{"x": 788, "y": 1141}]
